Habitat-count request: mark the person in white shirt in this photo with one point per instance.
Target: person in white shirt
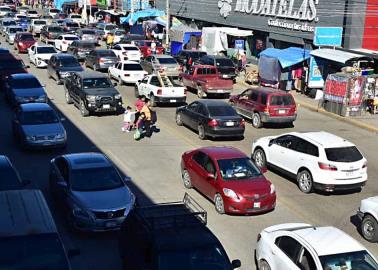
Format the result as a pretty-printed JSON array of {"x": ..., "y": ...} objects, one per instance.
[{"x": 128, "y": 119}]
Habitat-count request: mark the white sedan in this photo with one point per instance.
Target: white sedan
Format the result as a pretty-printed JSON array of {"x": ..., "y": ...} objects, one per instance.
[
  {"x": 64, "y": 41},
  {"x": 40, "y": 54},
  {"x": 127, "y": 72},
  {"x": 299, "y": 246},
  {"x": 126, "y": 52}
]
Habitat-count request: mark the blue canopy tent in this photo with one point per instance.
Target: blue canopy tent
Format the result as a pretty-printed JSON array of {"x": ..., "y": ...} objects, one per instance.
[
  {"x": 182, "y": 35},
  {"x": 59, "y": 3},
  {"x": 132, "y": 18}
]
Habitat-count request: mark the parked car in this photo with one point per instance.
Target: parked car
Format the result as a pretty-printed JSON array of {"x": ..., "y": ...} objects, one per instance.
[
  {"x": 75, "y": 18},
  {"x": 63, "y": 41},
  {"x": 265, "y": 105},
  {"x": 127, "y": 72},
  {"x": 205, "y": 80},
  {"x": 24, "y": 24},
  {"x": 24, "y": 88},
  {"x": 305, "y": 246},
  {"x": 91, "y": 191},
  {"x": 87, "y": 35},
  {"x": 318, "y": 160},
  {"x": 80, "y": 49},
  {"x": 100, "y": 59},
  {"x": 228, "y": 177},
  {"x": 11, "y": 33},
  {"x": 10, "y": 64},
  {"x": 32, "y": 14},
  {"x": 36, "y": 26},
  {"x": 160, "y": 89},
  {"x": 145, "y": 47},
  {"x": 162, "y": 62},
  {"x": 40, "y": 54},
  {"x": 37, "y": 126},
  {"x": 368, "y": 215},
  {"x": 71, "y": 26},
  {"x": 9, "y": 176},
  {"x": 5, "y": 23},
  {"x": 23, "y": 41},
  {"x": 183, "y": 56},
  {"x": 181, "y": 226},
  {"x": 28, "y": 231},
  {"x": 61, "y": 65},
  {"x": 53, "y": 12},
  {"x": 127, "y": 52},
  {"x": 92, "y": 92},
  {"x": 211, "y": 118},
  {"x": 4, "y": 10},
  {"x": 50, "y": 32},
  {"x": 224, "y": 65}
]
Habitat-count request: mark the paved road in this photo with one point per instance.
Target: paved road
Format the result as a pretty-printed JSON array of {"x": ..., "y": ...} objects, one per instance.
[{"x": 153, "y": 165}]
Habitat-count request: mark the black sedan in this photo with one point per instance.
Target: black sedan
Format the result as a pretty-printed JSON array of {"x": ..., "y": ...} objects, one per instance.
[
  {"x": 211, "y": 118},
  {"x": 60, "y": 65},
  {"x": 9, "y": 177}
]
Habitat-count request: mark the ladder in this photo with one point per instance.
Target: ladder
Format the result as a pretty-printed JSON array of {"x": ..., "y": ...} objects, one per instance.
[{"x": 164, "y": 79}]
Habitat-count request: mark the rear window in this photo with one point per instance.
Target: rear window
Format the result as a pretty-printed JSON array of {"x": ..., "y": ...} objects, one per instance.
[
  {"x": 343, "y": 154},
  {"x": 40, "y": 22},
  {"x": 71, "y": 38},
  {"x": 206, "y": 71},
  {"x": 26, "y": 37},
  {"x": 224, "y": 62},
  {"x": 72, "y": 24},
  {"x": 281, "y": 100},
  {"x": 106, "y": 53},
  {"x": 88, "y": 32},
  {"x": 135, "y": 67},
  {"x": 87, "y": 46},
  {"x": 167, "y": 61},
  {"x": 76, "y": 16},
  {"x": 221, "y": 111},
  {"x": 130, "y": 48},
  {"x": 110, "y": 27},
  {"x": 55, "y": 29}
]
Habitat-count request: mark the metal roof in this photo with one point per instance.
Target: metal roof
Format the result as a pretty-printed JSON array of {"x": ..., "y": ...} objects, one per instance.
[{"x": 335, "y": 55}]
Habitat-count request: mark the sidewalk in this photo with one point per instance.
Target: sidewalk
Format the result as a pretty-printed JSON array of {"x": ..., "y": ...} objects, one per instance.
[{"x": 366, "y": 121}]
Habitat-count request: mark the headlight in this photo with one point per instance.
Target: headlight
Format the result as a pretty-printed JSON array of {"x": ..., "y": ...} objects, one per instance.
[
  {"x": 272, "y": 189},
  {"x": 78, "y": 212},
  {"x": 20, "y": 99},
  {"x": 42, "y": 98},
  {"x": 118, "y": 96},
  {"x": 63, "y": 74},
  {"x": 30, "y": 138},
  {"x": 60, "y": 136},
  {"x": 230, "y": 193},
  {"x": 91, "y": 98}
]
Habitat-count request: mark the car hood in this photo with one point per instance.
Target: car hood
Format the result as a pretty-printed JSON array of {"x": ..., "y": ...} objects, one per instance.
[
  {"x": 101, "y": 91},
  {"x": 249, "y": 187},
  {"x": 27, "y": 92},
  {"x": 371, "y": 200},
  {"x": 68, "y": 69},
  {"x": 5, "y": 72},
  {"x": 43, "y": 130},
  {"x": 104, "y": 199}
]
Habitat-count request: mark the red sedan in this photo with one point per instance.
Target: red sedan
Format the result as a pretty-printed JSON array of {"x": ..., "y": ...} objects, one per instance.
[
  {"x": 229, "y": 178},
  {"x": 145, "y": 47},
  {"x": 23, "y": 41}
]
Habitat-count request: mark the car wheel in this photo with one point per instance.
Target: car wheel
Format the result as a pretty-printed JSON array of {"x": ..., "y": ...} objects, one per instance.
[
  {"x": 305, "y": 183},
  {"x": 264, "y": 265},
  {"x": 68, "y": 97},
  {"x": 200, "y": 92},
  {"x": 84, "y": 112},
  {"x": 136, "y": 91},
  {"x": 58, "y": 81},
  {"x": 369, "y": 228},
  {"x": 152, "y": 100},
  {"x": 201, "y": 132},
  {"x": 219, "y": 204},
  {"x": 256, "y": 120},
  {"x": 186, "y": 179},
  {"x": 178, "y": 119},
  {"x": 259, "y": 158}
]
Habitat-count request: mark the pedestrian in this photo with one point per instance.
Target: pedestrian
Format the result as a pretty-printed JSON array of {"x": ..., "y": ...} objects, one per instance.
[
  {"x": 189, "y": 62},
  {"x": 148, "y": 117},
  {"x": 128, "y": 119},
  {"x": 139, "y": 105},
  {"x": 109, "y": 40},
  {"x": 153, "y": 47},
  {"x": 139, "y": 126}
]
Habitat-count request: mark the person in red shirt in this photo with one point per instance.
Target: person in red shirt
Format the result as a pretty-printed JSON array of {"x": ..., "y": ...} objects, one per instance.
[{"x": 139, "y": 104}]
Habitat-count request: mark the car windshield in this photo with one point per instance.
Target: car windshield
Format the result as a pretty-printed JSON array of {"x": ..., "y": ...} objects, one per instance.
[
  {"x": 221, "y": 111},
  {"x": 8, "y": 23},
  {"x": 71, "y": 38},
  {"x": 167, "y": 61},
  {"x": 9, "y": 180},
  {"x": 88, "y": 32},
  {"x": 11, "y": 64},
  {"x": 238, "y": 168},
  {"x": 343, "y": 154},
  {"x": 26, "y": 83},
  {"x": 93, "y": 179},
  {"x": 21, "y": 16},
  {"x": 199, "y": 258},
  {"x": 120, "y": 32},
  {"x": 39, "y": 117},
  {"x": 134, "y": 67},
  {"x": 39, "y": 22},
  {"x": 72, "y": 24},
  {"x": 130, "y": 48},
  {"x": 76, "y": 16},
  {"x": 97, "y": 83},
  {"x": 55, "y": 29},
  {"x": 53, "y": 10},
  {"x": 32, "y": 12},
  {"x": 197, "y": 55},
  {"x": 110, "y": 27},
  {"x": 46, "y": 50},
  {"x": 280, "y": 100},
  {"x": 69, "y": 62},
  {"x": 357, "y": 260},
  {"x": 15, "y": 30},
  {"x": 224, "y": 62},
  {"x": 32, "y": 252},
  {"x": 148, "y": 43},
  {"x": 27, "y": 37}
]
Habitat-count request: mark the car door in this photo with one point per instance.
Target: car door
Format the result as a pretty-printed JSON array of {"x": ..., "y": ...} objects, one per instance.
[
  {"x": 188, "y": 112},
  {"x": 196, "y": 168},
  {"x": 90, "y": 58},
  {"x": 58, "y": 42},
  {"x": 208, "y": 183},
  {"x": 251, "y": 104},
  {"x": 142, "y": 85},
  {"x": 51, "y": 66},
  {"x": 285, "y": 253},
  {"x": 240, "y": 104},
  {"x": 16, "y": 124},
  {"x": 194, "y": 116},
  {"x": 278, "y": 151},
  {"x": 304, "y": 154},
  {"x": 59, "y": 179},
  {"x": 154, "y": 84},
  {"x": 31, "y": 53},
  {"x": 117, "y": 51},
  {"x": 117, "y": 70}
]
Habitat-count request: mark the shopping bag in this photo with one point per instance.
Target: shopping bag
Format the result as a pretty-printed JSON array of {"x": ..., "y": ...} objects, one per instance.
[{"x": 137, "y": 135}]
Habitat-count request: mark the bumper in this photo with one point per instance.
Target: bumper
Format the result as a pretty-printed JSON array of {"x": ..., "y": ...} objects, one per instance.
[
  {"x": 81, "y": 55},
  {"x": 218, "y": 91},
  {"x": 333, "y": 187},
  {"x": 250, "y": 205},
  {"x": 265, "y": 118},
  {"x": 172, "y": 73},
  {"x": 106, "y": 65},
  {"x": 104, "y": 107},
  {"x": 170, "y": 99},
  {"x": 219, "y": 132},
  {"x": 228, "y": 76},
  {"x": 97, "y": 225},
  {"x": 46, "y": 144},
  {"x": 41, "y": 63}
]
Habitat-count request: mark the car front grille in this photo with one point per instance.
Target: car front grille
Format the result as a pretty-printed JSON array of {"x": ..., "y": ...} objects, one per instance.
[
  {"x": 44, "y": 138},
  {"x": 106, "y": 99},
  {"x": 109, "y": 214},
  {"x": 256, "y": 197}
]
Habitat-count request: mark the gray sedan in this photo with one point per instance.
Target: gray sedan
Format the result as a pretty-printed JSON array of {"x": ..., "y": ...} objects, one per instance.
[
  {"x": 161, "y": 62},
  {"x": 101, "y": 59},
  {"x": 90, "y": 191}
]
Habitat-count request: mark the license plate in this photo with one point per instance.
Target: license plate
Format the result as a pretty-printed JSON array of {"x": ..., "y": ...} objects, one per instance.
[
  {"x": 219, "y": 91},
  {"x": 349, "y": 174},
  {"x": 256, "y": 204},
  {"x": 47, "y": 143},
  {"x": 281, "y": 111},
  {"x": 172, "y": 100},
  {"x": 110, "y": 224},
  {"x": 229, "y": 124},
  {"x": 106, "y": 106}
]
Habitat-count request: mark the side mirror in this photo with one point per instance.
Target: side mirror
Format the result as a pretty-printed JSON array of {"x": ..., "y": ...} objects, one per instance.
[
  {"x": 27, "y": 66},
  {"x": 139, "y": 81},
  {"x": 236, "y": 264},
  {"x": 115, "y": 84},
  {"x": 73, "y": 252},
  {"x": 210, "y": 176},
  {"x": 62, "y": 185},
  {"x": 25, "y": 182},
  {"x": 127, "y": 179},
  {"x": 62, "y": 119},
  {"x": 271, "y": 142}
]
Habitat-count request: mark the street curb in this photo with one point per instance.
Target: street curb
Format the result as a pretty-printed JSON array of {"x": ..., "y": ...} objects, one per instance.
[{"x": 324, "y": 112}]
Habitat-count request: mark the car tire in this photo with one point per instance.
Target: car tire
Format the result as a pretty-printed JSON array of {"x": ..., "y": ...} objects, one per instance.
[
  {"x": 178, "y": 119},
  {"x": 200, "y": 92},
  {"x": 67, "y": 97},
  {"x": 263, "y": 265},
  {"x": 136, "y": 91},
  {"x": 201, "y": 132},
  {"x": 58, "y": 81},
  {"x": 83, "y": 110},
  {"x": 369, "y": 228},
  {"x": 219, "y": 204},
  {"x": 305, "y": 182},
  {"x": 152, "y": 100},
  {"x": 256, "y": 120},
  {"x": 259, "y": 158},
  {"x": 186, "y": 179}
]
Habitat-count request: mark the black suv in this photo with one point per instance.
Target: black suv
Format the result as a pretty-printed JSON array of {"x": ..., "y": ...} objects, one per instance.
[
  {"x": 167, "y": 235},
  {"x": 183, "y": 56},
  {"x": 81, "y": 48},
  {"x": 224, "y": 65},
  {"x": 60, "y": 65},
  {"x": 50, "y": 32},
  {"x": 92, "y": 92}
]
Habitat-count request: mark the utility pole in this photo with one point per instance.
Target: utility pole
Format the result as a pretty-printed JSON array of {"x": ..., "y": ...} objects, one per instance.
[
  {"x": 167, "y": 25},
  {"x": 84, "y": 12}
]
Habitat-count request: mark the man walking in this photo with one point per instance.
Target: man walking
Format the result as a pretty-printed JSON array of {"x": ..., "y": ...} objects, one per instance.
[{"x": 147, "y": 120}]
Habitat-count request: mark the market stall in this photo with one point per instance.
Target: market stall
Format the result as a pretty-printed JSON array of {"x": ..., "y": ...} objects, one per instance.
[{"x": 184, "y": 37}]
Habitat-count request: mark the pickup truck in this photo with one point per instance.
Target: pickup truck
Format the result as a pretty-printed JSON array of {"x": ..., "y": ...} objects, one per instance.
[
  {"x": 160, "y": 89},
  {"x": 205, "y": 79},
  {"x": 171, "y": 235}
]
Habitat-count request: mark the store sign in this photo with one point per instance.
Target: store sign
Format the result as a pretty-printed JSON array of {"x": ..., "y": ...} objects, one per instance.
[{"x": 328, "y": 36}]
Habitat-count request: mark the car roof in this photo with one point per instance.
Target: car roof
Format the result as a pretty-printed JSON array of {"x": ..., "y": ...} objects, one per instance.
[
  {"x": 25, "y": 34},
  {"x": 64, "y": 55},
  {"x": 269, "y": 90},
  {"x": 69, "y": 35},
  {"x": 25, "y": 212},
  {"x": 30, "y": 107},
  {"x": 217, "y": 56},
  {"x": 87, "y": 160},
  {"x": 130, "y": 62},
  {"x": 103, "y": 50},
  {"x": 87, "y": 74},
  {"x": 324, "y": 139},
  {"x": 223, "y": 152},
  {"x": 212, "y": 102}
]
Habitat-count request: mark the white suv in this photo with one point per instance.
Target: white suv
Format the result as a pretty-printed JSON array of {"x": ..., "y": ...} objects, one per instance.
[
  {"x": 298, "y": 246},
  {"x": 319, "y": 160}
]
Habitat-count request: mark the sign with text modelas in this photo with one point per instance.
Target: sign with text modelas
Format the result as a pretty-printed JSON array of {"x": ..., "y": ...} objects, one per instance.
[{"x": 328, "y": 36}]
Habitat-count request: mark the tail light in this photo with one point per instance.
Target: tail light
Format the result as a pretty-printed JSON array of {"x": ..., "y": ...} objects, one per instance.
[
  {"x": 127, "y": 75},
  {"x": 212, "y": 123},
  {"x": 159, "y": 91},
  {"x": 242, "y": 123},
  {"x": 365, "y": 165},
  {"x": 327, "y": 167},
  {"x": 101, "y": 60},
  {"x": 148, "y": 50},
  {"x": 20, "y": 44},
  {"x": 124, "y": 53}
]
